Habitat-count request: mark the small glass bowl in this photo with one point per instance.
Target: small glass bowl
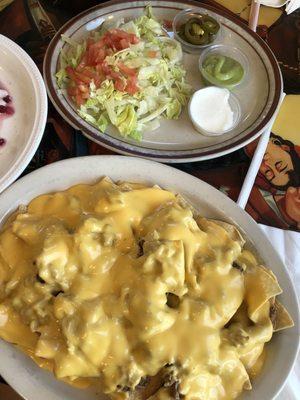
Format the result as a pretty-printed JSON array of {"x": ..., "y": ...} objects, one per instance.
[
  {"x": 181, "y": 18},
  {"x": 228, "y": 51},
  {"x": 237, "y": 114}
]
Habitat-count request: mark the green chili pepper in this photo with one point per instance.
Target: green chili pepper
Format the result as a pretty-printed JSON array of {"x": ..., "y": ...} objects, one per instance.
[
  {"x": 194, "y": 32},
  {"x": 210, "y": 24},
  {"x": 199, "y": 30}
]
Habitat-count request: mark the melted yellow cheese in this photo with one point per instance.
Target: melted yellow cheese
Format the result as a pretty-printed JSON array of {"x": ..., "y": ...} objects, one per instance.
[{"x": 85, "y": 277}]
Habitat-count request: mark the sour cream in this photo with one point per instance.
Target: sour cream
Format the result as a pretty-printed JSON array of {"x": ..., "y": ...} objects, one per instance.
[{"x": 210, "y": 111}]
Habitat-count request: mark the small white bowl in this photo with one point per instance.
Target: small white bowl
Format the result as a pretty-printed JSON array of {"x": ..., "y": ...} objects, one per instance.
[{"x": 235, "y": 107}]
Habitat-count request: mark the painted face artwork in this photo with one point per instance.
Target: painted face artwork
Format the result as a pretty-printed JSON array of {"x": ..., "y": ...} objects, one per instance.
[{"x": 277, "y": 163}]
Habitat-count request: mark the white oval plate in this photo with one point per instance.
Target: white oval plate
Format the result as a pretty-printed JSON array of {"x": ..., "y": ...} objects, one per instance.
[
  {"x": 35, "y": 384},
  {"x": 24, "y": 130},
  {"x": 177, "y": 140}
]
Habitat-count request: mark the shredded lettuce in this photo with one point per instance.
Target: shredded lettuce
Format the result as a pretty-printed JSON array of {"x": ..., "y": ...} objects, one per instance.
[
  {"x": 61, "y": 77},
  {"x": 173, "y": 109},
  {"x": 102, "y": 122},
  {"x": 163, "y": 90},
  {"x": 77, "y": 50},
  {"x": 127, "y": 121}
]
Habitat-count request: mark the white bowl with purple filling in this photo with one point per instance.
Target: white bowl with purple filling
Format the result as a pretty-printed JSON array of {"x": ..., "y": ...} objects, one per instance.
[{"x": 23, "y": 110}]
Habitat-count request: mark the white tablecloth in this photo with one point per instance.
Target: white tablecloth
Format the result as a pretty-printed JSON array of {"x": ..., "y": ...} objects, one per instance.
[{"x": 287, "y": 243}]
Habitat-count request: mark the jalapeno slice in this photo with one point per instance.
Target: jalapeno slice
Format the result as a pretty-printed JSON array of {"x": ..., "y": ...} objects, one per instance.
[
  {"x": 210, "y": 24},
  {"x": 194, "y": 32},
  {"x": 199, "y": 30}
]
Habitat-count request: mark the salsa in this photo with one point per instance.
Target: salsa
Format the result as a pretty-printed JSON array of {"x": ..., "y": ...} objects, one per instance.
[
  {"x": 200, "y": 30},
  {"x": 93, "y": 67},
  {"x": 222, "y": 71}
]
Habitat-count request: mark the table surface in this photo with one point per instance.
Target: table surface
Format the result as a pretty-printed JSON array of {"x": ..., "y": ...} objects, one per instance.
[{"x": 267, "y": 204}]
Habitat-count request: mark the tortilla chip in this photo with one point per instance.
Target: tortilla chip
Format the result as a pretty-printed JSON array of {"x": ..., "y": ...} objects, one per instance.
[
  {"x": 247, "y": 259},
  {"x": 247, "y": 385},
  {"x": 169, "y": 256},
  {"x": 280, "y": 317},
  {"x": 260, "y": 287},
  {"x": 222, "y": 231},
  {"x": 268, "y": 271},
  {"x": 185, "y": 204},
  {"x": 232, "y": 231},
  {"x": 13, "y": 330}
]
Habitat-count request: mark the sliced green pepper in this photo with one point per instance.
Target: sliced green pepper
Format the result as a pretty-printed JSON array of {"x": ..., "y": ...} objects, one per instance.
[
  {"x": 199, "y": 30},
  {"x": 210, "y": 24},
  {"x": 195, "y": 33}
]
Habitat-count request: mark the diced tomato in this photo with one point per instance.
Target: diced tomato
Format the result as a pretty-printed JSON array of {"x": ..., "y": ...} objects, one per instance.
[
  {"x": 77, "y": 76},
  {"x": 93, "y": 67},
  {"x": 91, "y": 55},
  {"x": 118, "y": 39},
  {"x": 107, "y": 39},
  {"x": 90, "y": 41},
  {"x": 82, "y": 77},
  {"x": 79, "y": 100},
  {"x": 133, "y": 38},
  {"x": 120, "y": 34},
  {"x": 134, "y": 79},
  {"x": 127, "y": 70},
  {"x": 87, "y": 71},
  {"x": 100, "y": 55},
  {"x": 120, "y": 85},
  {"x": 131, "y": 89},
  {"x": 72, "y": 90},
  {"x": 98, "y": 79},
  {"x": 115, "y": 75},
  {"x": 99, "y": 69},
  {"x": 100, "y": 44},
  {"x": 95, "y": 54},
  {"x": 85, "y": 95},
  {"x": 84, "y": 61},
  {"x": 152, "y": 53},
  {"x": 124, "y": 44},
  {"x": 83, "y": 88},
  {"x": 131, "y": 86},
  {"x": 71, "y": 73},
  {"x": 106, "y": 68}
]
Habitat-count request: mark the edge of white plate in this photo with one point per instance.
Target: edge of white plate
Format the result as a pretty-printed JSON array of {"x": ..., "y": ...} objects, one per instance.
[{"x": 40, "y": 116}]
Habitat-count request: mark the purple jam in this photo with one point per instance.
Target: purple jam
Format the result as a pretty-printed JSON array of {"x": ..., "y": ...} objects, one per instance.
[
  {"x": 6, "y": 109},
  {"x": 5, "y": 103},
  {"x": 7, "y": 99}
]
